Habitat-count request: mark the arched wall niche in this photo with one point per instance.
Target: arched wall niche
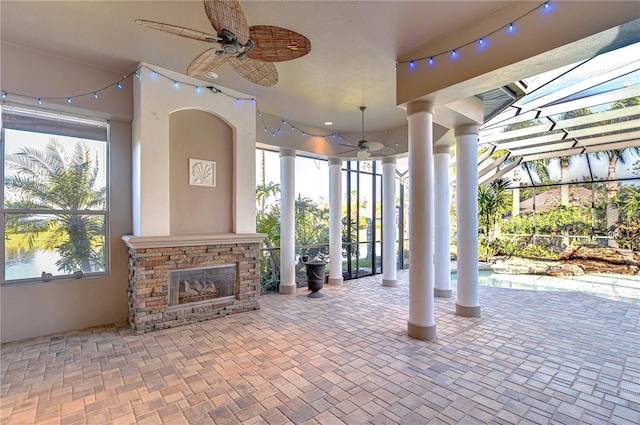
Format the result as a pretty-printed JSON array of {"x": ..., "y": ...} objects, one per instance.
[{"x": 200, "y": 142}]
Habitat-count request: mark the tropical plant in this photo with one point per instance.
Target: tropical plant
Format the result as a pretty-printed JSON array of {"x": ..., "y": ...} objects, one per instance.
[
  {"x": 628, "y": 200},
  {"x": 268, "y": 222},
  {"x": 55, "y": 180},
  {"x": 311, "y": 225},
  {"x": 494, "y": 201},
  {"x": 629, "y": 234}
]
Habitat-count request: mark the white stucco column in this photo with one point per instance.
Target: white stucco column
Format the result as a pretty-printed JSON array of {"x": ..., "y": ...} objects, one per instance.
[
  {"x": 468, "y": 303},
  {"x": 422, "y": 324},
  {"x": 335, "y": 221},
  {"x": 442, "y": 227},
  {"x": 389, "y": 222},
  {"x": 287, "y": 222}
]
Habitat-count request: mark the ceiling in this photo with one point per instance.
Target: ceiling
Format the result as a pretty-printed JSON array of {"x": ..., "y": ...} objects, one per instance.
[{"x": 354, "y": 47}]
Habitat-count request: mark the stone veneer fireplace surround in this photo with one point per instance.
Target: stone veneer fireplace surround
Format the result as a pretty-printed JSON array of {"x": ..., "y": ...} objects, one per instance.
[
  {"x": 171, "y": 233},
  {"x": 152, "y": 258}
]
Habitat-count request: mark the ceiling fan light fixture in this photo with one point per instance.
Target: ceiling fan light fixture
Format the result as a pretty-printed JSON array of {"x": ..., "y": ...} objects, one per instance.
[
  {"x": 363, "y": 155},
  {"x": 328, "y": 123}
]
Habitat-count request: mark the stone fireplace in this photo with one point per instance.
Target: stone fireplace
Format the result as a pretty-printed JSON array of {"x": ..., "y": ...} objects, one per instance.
[
  {"x": 194, "y": 254},
  {"x": 175, "y": 280}
]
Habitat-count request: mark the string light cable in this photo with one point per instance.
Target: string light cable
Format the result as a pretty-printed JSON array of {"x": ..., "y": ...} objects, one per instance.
[
  {"x": 509, "y": 28},
  {"x": 178, "y": 84}
]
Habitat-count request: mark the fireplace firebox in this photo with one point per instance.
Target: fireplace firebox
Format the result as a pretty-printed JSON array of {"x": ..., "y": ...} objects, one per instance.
[{"x": 202, "y": 284}]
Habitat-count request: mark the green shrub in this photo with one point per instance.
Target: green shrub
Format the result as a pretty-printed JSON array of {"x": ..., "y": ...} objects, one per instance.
[
  {"x": 628, "y": 234},
  {"x": 536, "y": 251}
]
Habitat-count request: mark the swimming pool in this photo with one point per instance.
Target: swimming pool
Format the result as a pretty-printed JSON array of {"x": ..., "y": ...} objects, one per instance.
[{"x": 614, "y": 287}]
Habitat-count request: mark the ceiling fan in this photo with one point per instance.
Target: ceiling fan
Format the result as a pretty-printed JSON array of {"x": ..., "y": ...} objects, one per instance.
[
  {"x": 366, "y": 148},
  {"x": 250, "y": 50}
]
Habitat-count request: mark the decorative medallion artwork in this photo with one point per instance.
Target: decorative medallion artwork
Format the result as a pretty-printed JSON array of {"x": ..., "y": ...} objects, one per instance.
[{"x": 202, "y": 172}]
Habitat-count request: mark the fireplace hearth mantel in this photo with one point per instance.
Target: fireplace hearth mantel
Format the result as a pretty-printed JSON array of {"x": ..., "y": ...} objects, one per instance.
[{"x": 142, "y": 242}]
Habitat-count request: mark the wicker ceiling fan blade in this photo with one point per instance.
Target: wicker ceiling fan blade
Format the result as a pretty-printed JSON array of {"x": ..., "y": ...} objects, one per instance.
[
  {"x": 372, "y": 146},
  {"x": 179, "y": 31},
  {"x": 348, "y": 150},
  {"x": 207, "y": 61},
  {"x": 228, "y": 15},
  {"x": 275, "y": 44},
  {"x": 262, "y": 73},
  {"x": 385, "y": 150}
]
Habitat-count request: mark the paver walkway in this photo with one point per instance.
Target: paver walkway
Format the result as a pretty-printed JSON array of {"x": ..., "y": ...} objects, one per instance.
[{"x": 533, "y": 358}]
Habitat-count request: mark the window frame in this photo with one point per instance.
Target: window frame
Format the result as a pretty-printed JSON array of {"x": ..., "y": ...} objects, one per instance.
[{"x": 72, "y": 119}]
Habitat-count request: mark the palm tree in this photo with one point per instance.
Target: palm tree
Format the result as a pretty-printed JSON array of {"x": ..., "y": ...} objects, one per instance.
[
  {"x": 614, "y": 157},
  {"x": 54, "y": 180},
  {"x": 268, "y": 222},
  {"x": 493, "y": 202},
  {"x": 565, "y": 161}
]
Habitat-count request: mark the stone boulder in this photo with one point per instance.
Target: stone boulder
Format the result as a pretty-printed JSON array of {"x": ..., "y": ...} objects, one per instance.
[{"x": 600, "y": 253}]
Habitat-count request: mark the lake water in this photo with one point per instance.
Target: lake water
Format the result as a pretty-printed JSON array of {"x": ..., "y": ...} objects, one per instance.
[{"x": 30, "y": 264}]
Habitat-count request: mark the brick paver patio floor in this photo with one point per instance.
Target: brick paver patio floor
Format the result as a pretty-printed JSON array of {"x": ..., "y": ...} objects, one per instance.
[{"x": 533, "y": 358}]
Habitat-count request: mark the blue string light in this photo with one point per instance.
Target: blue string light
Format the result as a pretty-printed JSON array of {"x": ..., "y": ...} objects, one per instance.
[
  {"x": 95, "y": 95},
  {"x": 39, "y": 101},
  {"x": 4, "y": 94},
  {"x": 119, "y": 85},
  {"x": 176, "y": 85},
  {"x": 68, "y": 100},
  {"x": 482, "y": 42}
]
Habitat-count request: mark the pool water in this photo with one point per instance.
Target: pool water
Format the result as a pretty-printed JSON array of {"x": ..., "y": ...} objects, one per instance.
[{"x": 614, "y": 287}]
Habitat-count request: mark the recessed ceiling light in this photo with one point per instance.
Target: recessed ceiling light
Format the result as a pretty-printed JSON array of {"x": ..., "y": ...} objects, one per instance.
[
  {"x": 211, "y": 75},
  {"x": 328, "y": 123}
]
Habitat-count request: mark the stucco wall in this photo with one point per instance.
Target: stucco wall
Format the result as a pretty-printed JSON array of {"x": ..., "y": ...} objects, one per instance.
[
  {"x": 196, "y": 134},
  {"x": 49, "y": 307},
  {"x": 155, "y": 98}
]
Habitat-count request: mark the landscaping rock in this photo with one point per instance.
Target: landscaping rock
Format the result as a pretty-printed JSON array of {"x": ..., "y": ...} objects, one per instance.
[
  {"x": 601, "y": 254},
  {"x": 566, "y": 270}
]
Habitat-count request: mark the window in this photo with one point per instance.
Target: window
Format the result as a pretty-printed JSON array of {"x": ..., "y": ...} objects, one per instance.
[{"x": 55, "y": 195}]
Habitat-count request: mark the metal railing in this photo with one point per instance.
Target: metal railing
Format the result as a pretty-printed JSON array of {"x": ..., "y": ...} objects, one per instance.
[{"x": 358, "y": 260}]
